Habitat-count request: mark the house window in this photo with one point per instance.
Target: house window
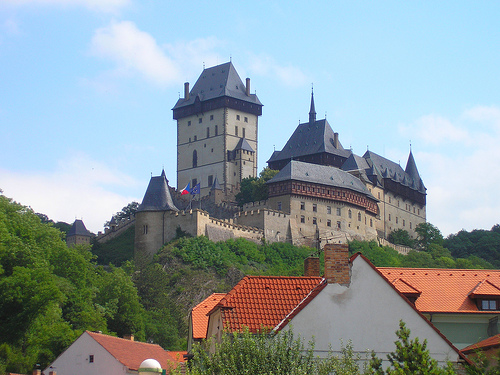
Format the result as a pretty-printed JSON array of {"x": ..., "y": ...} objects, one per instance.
[
  {"x": 236, "y": 130},
  {"x": 403, "y": 222},
  {"x": 328, "y": 223},
  {"x": 302, "y": 219},
  {"x": 195, "y": 158},
  {"x": 359, "y": 216},
  {"x": 389, "y": 217},
  {"x": 246, "y": 119},
  {"x": 195, "y": 138},
  {"x": 208, "y": 132},
  {"x": 189, "y": 123},
  {"x": 200, "y": 120},
  {"x": 315, "y": 221},
  {"x": 379, "y": 195},
  {"x": 279, "y": 206},
  {"x": 91, "y": 358},
  {"x": 189, "y": 139},
  {"x": 243, "y": 130},
  {"x": 238, "y": 117},
  {"x": 338, "y": 224},
  {"x": 194, "y": 182},
  {"x": 211, "y": 117},
  {"x": 488, "y": 304},
  {"x": 371, "y": 223},
  {"x": 389, "y": 199},
  {"x": 396, "y": 219},
  {"x": 302, "y": 205},
  {"x": 349, "y": 213},
  {"x": 339, "y": 211},
  {"x": 315, "y": 207},
  {"x": 329, "y": 210},
  {"x": 145, "y": 229},
  {"x": 210, "y": 180},
  {"x": 410, "y": 225}
]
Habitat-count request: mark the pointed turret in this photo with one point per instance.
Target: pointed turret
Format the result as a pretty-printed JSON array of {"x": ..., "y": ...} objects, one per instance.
[
  {"x": 312, "y": 111},
  {"x": 411, "y": 168},
  {"x": 157, "y": 197}
]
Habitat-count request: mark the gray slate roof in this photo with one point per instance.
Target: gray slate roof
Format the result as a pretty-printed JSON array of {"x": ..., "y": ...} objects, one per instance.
[
  {"x": 388, "y": 169},
  {"x": 310, "y": 139},
  {"x": 157, "y": 197},
  {"x": 244, "y": 145},
  {"x": 320, "y": 174},
  {"x": 216, "y": 185},
  {"x": 354, "y": 163},
  {"x": 78, "y": 229},
  {"x": 218, "y": 81}
]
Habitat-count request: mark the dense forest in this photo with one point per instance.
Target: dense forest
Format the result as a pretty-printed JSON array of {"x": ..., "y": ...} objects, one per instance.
[{"x": 50, "y": 294}]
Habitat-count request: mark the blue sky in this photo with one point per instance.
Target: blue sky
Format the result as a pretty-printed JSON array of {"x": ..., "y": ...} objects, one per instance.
[{"x": 87, "y": 88}]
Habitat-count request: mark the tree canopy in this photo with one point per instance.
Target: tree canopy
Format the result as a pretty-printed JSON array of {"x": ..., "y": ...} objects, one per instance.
[{"x": 254, "y": 189}]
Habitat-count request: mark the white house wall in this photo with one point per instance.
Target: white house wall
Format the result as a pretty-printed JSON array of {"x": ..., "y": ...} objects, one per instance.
[
  {"x": 75, "y": 359},
  {"x": 367, "y": 313}
]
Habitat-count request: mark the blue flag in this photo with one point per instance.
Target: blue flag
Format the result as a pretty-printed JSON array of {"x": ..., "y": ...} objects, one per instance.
[{"x": 196, "y": 190}]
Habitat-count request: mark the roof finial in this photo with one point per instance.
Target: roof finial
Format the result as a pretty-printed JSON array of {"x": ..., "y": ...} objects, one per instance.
[
  {"x": 230, "y": 58},
  {"x": 325, "y": 115},
  {"x": 312, "y": 111},
  {"x": 410, "y": 145},
  {"x": 203, "y": 65}
]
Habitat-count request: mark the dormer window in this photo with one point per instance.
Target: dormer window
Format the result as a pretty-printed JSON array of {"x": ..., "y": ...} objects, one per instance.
[{"x": 489, "y": 305}]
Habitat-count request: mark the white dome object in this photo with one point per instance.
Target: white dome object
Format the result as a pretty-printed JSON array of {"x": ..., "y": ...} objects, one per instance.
[{"x": 150, "y": 366}]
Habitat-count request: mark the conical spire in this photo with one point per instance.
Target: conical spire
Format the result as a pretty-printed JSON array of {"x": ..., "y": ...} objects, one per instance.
[
  {"x": 157, "y": 197},
  {"x": 312, "y": 111},
  {"x": 411, "y": 168}
]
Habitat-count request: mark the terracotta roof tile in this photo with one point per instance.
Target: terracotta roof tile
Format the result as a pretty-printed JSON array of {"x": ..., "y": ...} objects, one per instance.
[
  {"x": 444, "y": 290},
  {"x": 132, "y": 353},
  {"x": 490, "y": 342},
  {"x": 264, "y": 301},
  {"x": 199, "y": 315}
]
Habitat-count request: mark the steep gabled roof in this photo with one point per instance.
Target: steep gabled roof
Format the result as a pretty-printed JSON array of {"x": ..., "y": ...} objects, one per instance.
[
  {"x": 215, "y": 82},
  {"x": 485, "y": 289},
  {"x": 157, "y": 197},
  {"x": 355, "y": 163},
  {"x": 132, "y": 353},
  {"x": 309, "y": 139},
  {"x": 216, "y": 185},
  {"x": 78, "y": 229},
  {"x": 445, "y": 290},
  {"x": 199, "y": 317},
  {"x": 258, "y": 302},
  {"x": 320, "y": 174}
]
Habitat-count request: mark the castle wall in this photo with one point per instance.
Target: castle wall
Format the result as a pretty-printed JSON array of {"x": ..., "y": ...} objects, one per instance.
[
  {"x": 274, "y": 224},
  {"x": 110, "y": 233},
  {"x": 149, "y": 235}
]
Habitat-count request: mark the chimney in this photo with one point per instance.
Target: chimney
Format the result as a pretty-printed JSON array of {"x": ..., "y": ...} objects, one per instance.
[
  {"x": 248, "y": 87},
  {"x": 311, "y": 266},
  {"x": 336, "y": 140},
  {"x": 186, "y": 91},
  {"x": 337, "y": 268},
  {"x": 52, "y": 373},
  {"x": 129, "y": 337},
  {"x": 37, "y": 372}
]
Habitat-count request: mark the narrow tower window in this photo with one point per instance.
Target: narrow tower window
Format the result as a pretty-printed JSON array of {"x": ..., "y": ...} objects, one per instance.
[{"x": 195, "y": 159}]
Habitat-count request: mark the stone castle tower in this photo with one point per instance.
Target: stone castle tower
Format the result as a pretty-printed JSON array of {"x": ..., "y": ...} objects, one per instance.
[{"x": 217, "y": 128}]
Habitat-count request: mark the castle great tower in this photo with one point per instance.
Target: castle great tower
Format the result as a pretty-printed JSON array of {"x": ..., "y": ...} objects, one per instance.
[{"x": 217, "y": 128}]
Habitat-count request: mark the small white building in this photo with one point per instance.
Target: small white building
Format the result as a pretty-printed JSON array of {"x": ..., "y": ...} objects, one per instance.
[{"x": 97, "y": 354}]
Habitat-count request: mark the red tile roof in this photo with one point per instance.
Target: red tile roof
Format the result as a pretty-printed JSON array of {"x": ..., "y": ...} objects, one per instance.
[
  {"x": 264, "y": 301},
  {"x": 132, "y": 353},
  {"x": 445, "y": 290},
  {"x": 490, "y": 342},
  {"x": 199, "y": 317}
]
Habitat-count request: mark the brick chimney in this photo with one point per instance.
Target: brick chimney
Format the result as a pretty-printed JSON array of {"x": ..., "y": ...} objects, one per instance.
[
  {"x": 337, "y": 268},
  {"x": 129, "y": 337},
  {"x": 186, "y": 91},
  {"x": 37, "y": 372},
  {"x": 311, "y": 266}
]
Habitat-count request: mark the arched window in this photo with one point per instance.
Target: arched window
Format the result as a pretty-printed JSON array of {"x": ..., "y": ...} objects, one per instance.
[{"x": 195, "y": 159}]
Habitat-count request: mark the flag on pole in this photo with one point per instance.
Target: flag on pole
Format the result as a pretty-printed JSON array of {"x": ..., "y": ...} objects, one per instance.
[
  {"x": 186, "y": 190},
  {"x": 196, "y": 190}
]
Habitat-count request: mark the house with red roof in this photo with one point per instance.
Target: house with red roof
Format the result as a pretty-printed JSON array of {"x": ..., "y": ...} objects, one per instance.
[
  {"x": 353, "y": 302},
  {"x": 95, "y": 353},
  {"x": 198, "y": 319},
  {"x": 463, "y": 304},
  {"x": 489, "y": 347}
]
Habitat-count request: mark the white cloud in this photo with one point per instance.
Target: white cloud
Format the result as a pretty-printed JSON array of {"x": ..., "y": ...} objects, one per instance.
[
  {"x": 95, "y": 5},
  {"x": 461, "y": 171},
  {"x": 435, "y": 130},
  {"x": 289, "y": 75},
  {"x": 136, "y": 51},
  {"x": 78, "y": 188}
]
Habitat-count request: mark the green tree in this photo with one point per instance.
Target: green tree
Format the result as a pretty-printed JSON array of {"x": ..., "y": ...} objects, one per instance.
[
  {"x": 255, "y": 189},
  {"x": 263, "y": 353},
  {"x": 411, "y": 357},
  {"x": 428, "y": 234},
  {"x": 126, "y": 212},
  {"x": 401, "y": 237}
]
